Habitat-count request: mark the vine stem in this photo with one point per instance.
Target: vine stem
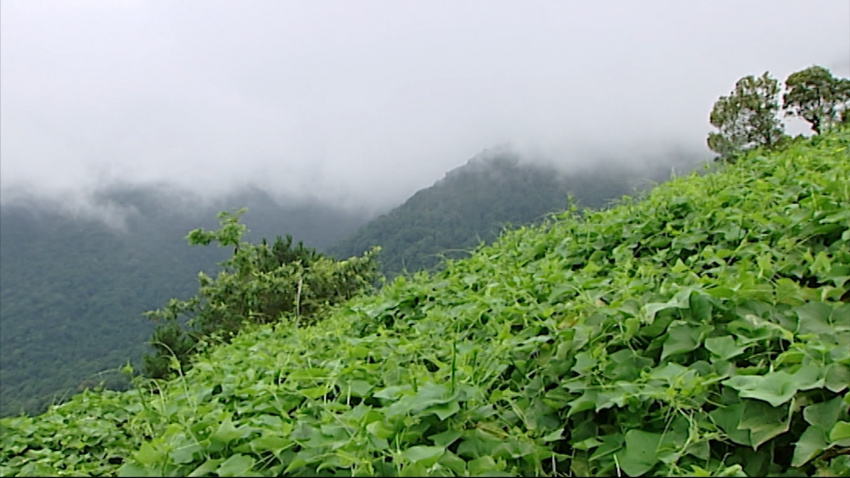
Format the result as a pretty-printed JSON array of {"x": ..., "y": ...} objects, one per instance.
[{"x": 298, "y": 302}]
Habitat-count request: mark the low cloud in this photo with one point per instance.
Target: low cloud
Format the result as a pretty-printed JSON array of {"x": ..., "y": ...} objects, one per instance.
[{"x": 362, "y": 103}]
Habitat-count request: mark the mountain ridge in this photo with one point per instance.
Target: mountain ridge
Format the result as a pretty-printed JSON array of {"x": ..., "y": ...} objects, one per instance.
[{"x": 699, "y": 329}]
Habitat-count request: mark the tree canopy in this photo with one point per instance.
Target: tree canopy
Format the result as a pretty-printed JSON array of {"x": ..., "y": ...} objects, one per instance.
[
  {"x": 259, "y": 283},
  {"x": 747, "y": 117},
  {"x": 816, "y": 96}
]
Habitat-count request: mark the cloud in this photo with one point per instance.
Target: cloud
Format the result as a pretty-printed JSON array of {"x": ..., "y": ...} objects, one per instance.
[{"x": 365, "y": 102}]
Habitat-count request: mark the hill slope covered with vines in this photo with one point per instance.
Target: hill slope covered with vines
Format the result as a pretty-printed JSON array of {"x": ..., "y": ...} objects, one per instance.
[{"x": 702, "y": 330}]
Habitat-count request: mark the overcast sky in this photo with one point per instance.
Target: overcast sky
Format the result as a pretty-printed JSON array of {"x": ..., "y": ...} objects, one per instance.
[{"x": 368, "y": 101}]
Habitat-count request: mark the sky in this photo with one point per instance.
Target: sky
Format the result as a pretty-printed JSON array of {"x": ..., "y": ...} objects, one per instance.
[{"x": 361, "y": 103}]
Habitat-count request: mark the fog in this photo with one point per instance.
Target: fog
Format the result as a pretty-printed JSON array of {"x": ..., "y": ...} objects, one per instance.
[{"x": 361, "y": 103}]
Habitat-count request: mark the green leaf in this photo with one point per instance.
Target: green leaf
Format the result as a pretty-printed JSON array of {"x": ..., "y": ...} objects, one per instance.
[
  {"x": 186, "y": 453},
  {"x": 838, "y": 466},
  {"x": 554, "y": 436},
  {"x": 445, "y": 438},
  {"x": 840, "y": 432},
  {"x": 837, "y": 377},
  {"x": 431, "y": 394},
  {"x": 41, "y": 469},
  {"x": 424, "y": 455},
  {"x": 484, "y": 466},
  {"x": 700, "y": 449},
  {"x": 814, "y": 318},
  {"x": 775, "y": 388},
  {"x": 148, "y": 455},
  {"x": 270, "y": 442},
  {"x": 584, "y": 363},
  {"x": 315, "y": 392},
  {"x": 453, "y": 462},
  {"x": 724, "y": 347},
  {"x": 824, "y": 414},
  {"x": 811, "y": 443},
  {"x": 728, "y": 418},
  {"x": 681, "y": 338},
  {"x": 379, "y": 429},
  {"x": 763, "y": 421},
  {"x": 224, "y": 434},
  {"x": 680, "y": 301},
  {"x": 360, "y": 388},
  {"x": 236, "y": 465},
  {"x": 207, "y": 467},
  {"x": 587, "y": 444},
  {"x": 443, "y": 410},
  {"x": 809, "y": 376},
  {"x": 391, "y": 393},
  {"x": 128, "y": 469},
  {"x": 587, "y": 401},
  {"x": 413, "y": 470},
  {"x": 640, "y": 453},
  {"x": 700, "y": 305},
  {"x": 477, "y": 443}
]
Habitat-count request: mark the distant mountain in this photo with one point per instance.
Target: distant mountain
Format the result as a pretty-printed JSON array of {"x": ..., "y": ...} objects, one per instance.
[
  {"x": 473, "y": 203},
  {"x": 73, "y": 290}
]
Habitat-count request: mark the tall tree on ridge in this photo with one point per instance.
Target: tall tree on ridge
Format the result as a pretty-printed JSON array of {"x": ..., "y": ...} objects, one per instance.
[
  {"x": 747, "y": 118},
  {"x": 816, "y": 96}
]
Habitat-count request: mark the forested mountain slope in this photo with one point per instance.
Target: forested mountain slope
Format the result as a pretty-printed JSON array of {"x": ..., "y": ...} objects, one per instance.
[
  {"x": 472, "y": 204},
  {"x": 701, "y": 331},
  {"x": 73, "y": 290}
]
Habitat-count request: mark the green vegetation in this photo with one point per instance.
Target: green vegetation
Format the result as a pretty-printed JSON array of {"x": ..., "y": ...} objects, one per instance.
[
  {"x": 73, "y": 291},
  {"x": 703, "y": 330},
  {"x": 817, "y": 97},
  {"x": 748, "y": 117},
  {"x": 475, "y": 202},
  {"x": 257, "y": 284}
]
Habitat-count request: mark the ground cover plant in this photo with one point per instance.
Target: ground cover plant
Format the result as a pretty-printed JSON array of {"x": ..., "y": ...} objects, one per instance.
[
  {"x": 703, "y": 330},
  {"x": 256, "y": 285}
]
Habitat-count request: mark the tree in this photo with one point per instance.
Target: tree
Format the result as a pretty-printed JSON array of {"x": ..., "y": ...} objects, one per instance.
[
  {"x": 747, "y": 118},
  {"x": 818, "y": 97},
  {"x": 258, "y": 284}
]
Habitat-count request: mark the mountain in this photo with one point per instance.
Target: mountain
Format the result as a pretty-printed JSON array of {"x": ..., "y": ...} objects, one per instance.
[
  {"x": 473, "y": 203},
  {"x": 73, "y": 288},
  {"x": 701, "y": 330}
]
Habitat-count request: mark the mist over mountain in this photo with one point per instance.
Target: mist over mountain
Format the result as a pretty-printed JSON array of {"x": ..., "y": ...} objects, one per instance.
[
  {"x": 75, "y": 281},
  {"x": 367, "y": 104},
  {"x": 77, "y": 272},
  {"x": 497, "y": 188}
]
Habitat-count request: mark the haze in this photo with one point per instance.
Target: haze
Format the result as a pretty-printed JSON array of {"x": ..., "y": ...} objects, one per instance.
[{"x": 364, "y": 102}]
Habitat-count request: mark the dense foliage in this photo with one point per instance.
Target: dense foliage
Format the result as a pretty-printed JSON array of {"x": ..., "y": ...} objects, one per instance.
[
  {"x": 749, "y": 116},
  {"x": 818, "y": 97},
  {"x": 73, "y": 290},
  {"x": 473, "y": 203},
  {"x": 703, "y": 330},
  {"x": 256, "y": 285}
]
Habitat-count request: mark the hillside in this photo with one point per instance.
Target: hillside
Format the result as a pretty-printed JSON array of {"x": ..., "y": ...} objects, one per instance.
[
  {"x": 703, "y": 330},
  {"x": 474, "y": 202},
  {"x": 73, "y": 290}
]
